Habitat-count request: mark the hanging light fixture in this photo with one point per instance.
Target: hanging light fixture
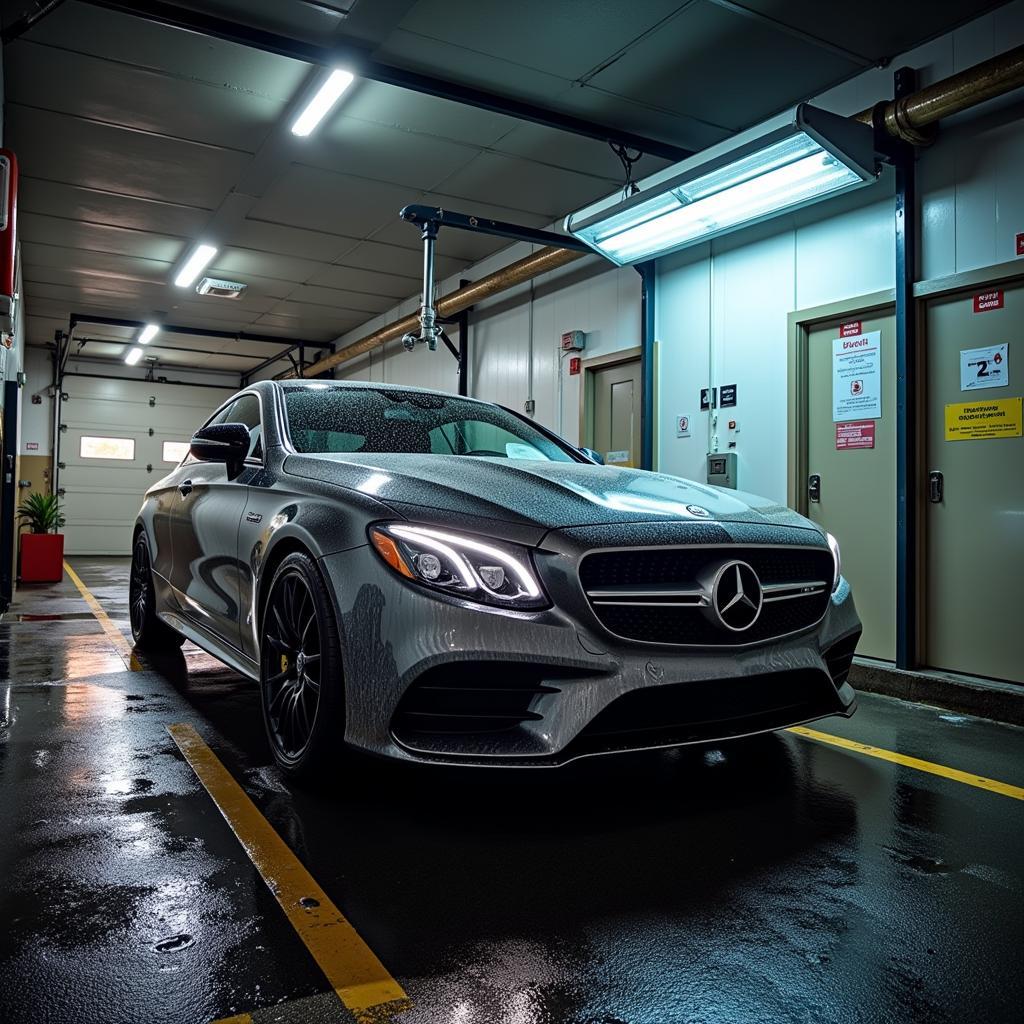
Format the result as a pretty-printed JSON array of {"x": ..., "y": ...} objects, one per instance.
[{"x": 798, "y": 158}]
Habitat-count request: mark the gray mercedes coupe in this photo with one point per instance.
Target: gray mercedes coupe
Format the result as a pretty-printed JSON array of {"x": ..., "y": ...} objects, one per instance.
[{"x": 438, "y": 579}]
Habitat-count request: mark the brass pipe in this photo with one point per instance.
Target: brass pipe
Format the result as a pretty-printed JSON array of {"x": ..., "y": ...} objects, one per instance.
[
  {"x": 904, "y": 119},
  {"x": 540, "y": 262}
]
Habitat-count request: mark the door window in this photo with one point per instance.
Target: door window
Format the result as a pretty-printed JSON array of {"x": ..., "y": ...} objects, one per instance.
[{"x": 244, "y": 410}]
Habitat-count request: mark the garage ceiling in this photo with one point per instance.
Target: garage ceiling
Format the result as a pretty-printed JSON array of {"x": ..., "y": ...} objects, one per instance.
[{"x": 136, "y": 140}]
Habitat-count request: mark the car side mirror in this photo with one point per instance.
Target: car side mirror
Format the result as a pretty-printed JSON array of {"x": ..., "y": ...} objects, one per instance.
[
  {"x": 222, "y": 442},
  {"x": 593, "y": 456}
]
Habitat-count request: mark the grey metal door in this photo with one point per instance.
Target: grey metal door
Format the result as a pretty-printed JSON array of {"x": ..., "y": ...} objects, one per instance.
[
  {"x": 616, "y": 396},
  {"x": 856, "y": 483},
  {"x": 975, "y": 528}
]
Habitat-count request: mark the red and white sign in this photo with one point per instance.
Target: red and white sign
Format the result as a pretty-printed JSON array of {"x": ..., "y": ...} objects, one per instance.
[
  {"x": 31, "y": 446},
  {"x": 1020, "y": 244},
  {"x": 855, "y": 434},
  {"x": 850, "y": 330},
  {"x": 988, "y": 300},
  {"x": 574, "y": 366}
]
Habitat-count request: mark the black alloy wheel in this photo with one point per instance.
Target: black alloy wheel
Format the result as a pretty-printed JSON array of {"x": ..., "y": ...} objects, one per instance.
[
  {"x": 300, "y": 677},
  {"x": 147, "y": 630}
]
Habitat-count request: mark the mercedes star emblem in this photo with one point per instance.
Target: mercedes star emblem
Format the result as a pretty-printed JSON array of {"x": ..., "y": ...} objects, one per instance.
[{"x": 736, "y": 596}]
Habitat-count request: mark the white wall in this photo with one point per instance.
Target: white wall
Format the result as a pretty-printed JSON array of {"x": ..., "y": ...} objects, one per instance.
[{"x": 722, "y": 308}]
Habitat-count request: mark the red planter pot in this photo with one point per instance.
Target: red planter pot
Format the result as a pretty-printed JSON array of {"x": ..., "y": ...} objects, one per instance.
[{"x": 42, "y": 557}]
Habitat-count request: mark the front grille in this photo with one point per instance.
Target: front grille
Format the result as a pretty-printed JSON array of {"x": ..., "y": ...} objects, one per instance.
[
  {"x": 709, "y": 710},
  {"x": 656, "y": 595}
]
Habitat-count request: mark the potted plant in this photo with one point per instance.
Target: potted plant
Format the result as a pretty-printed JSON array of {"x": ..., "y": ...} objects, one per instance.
[{"x": 42, "y": 548}]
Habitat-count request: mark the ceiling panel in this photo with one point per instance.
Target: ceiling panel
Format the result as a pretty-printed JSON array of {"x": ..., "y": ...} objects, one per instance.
[
  {"x": 409, "y": 111},
  {"x": 399, "y": 156},
  {"x": 358, "y": 279},
  {"x": 122, "y": 161},
  {"x": 247, "y": 263},
  {"x": 675, "y": 70},
  {"x": 37, "y": 195},
  {"x": 358, "y": 302},
  {"x": 47, "y": 78},
  {"x": 307, "y": 197},
  {"x": 183, "y": 55},
  {"x": 565, "y": 38},
  {"x": 250, "y": 233},
  {"x": 99, "y": 263},
  {"x": 77, "y": 234}
]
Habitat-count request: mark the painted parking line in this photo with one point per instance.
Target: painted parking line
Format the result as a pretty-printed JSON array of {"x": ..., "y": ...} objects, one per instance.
[
  {"x": 360, "y": 980},
  {"x": 114, "y": 635},
  {"x": 967, "y": 778}
]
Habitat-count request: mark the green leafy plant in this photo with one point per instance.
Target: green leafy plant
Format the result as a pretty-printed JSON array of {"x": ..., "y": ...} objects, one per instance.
[{"x": 41, "y": 512}]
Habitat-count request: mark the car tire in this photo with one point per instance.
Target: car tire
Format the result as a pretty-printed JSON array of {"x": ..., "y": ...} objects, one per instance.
[
  {"x": 148, "y": 631},
  {"x": 302, "y": 687}
]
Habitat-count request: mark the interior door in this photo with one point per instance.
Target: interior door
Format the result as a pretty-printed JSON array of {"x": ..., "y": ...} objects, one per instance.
[
  {"x": 616, "y": 413},
  {"x": 975, "y": 512},
  {"x": 854, "y": 461}
]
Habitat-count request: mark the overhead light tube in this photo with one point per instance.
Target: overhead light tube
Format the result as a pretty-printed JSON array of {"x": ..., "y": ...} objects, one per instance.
[
  {"x": 326, "y": 96},
  {"x": 195, "y": 264},
  {"x": 796, "y": 159},
  {"x": 134, "y": 355},
  {"x": 149, "y": 332}
]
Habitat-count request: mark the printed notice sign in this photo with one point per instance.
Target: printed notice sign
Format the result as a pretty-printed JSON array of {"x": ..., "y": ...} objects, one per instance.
[
  {"x": 857, "y": 377},
  {"x": 616, "y": 458},
  {"x": 859, "y": 434},
  {"x": 975, "y": 421},
  {"x": 984, "y": 367}
]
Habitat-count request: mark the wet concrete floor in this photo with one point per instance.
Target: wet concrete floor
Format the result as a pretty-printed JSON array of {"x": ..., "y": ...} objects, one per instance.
[{"x": 777, "y": 880}]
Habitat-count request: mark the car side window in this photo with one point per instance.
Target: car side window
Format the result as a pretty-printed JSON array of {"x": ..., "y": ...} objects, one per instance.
[{"x": 247, "y": 410}]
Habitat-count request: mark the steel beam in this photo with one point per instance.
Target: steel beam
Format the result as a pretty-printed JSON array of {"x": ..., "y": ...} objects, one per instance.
[
  {"x": 420, "y": 215},
  {"x": 193, "y": 332},
  {"x": 648, "y": 294},
  {"x": 360, "y": 63},
  {"x": 906, "y": 390}
]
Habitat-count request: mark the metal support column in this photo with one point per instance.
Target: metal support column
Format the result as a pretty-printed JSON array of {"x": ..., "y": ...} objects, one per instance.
[
  {"x": 9, "y": 496},
  {"x": 462, "y": 322},
  {"x": 648, "y": 278},
  {"x": 906, "y": 391}
]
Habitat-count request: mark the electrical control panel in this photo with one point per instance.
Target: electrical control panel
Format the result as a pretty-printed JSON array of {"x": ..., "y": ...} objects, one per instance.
[{"x": 722, "y": 469}]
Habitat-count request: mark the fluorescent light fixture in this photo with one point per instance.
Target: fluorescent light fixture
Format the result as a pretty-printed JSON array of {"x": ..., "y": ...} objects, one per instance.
[
  {"x": 149, "y": 332},
  {"x": 796, "y": 159},
  {"x": 195, "y": 264},
  {"x": 134, "y": 355},
  {"x": 326, "y": 96}
]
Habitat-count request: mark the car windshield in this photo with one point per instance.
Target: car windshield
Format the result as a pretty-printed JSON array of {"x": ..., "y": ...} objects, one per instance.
[{"x": 326, "y": 418}]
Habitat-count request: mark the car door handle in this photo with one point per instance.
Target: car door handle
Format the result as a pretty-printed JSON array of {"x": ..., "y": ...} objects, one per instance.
[{"x": 185, "y": 488}]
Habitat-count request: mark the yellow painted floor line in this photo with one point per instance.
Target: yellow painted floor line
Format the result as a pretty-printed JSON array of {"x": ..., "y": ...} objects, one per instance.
[
  {"x": 967, "y": 778},
  {"x": 121, "y": 643},
  {"x": 360, "y": 980},
  {"x": 239, "y": 1018}
]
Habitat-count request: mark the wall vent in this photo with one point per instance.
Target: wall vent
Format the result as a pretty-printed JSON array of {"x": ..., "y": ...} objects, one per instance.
[{"x": 219, "y": 288}]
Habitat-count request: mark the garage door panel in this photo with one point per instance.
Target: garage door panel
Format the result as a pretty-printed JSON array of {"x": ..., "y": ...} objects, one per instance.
[{"x": 102, "y": 496}]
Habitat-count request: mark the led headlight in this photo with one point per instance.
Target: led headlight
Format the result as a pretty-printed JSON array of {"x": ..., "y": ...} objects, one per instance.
[
  {"x": 458, "y": 565},
  {"x": 837, "y": 571}
]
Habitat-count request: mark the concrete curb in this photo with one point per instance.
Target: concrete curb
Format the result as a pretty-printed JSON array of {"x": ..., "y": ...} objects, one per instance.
[{"x": 1003, "y": 702}]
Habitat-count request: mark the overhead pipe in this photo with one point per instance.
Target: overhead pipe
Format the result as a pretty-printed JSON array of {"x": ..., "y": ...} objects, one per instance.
[{"x": 904, "y": 118}]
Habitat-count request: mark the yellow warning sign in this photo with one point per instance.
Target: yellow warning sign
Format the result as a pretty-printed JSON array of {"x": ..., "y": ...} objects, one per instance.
[{"x": 972, "y": 421}]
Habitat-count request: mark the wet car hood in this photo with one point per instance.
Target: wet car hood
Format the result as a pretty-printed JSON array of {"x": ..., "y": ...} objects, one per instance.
[{"x": 537, "y": 493}]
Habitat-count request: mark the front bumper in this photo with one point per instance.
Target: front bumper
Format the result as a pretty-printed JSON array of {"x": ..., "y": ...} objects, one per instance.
[{"x": 428, "y": 678}]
